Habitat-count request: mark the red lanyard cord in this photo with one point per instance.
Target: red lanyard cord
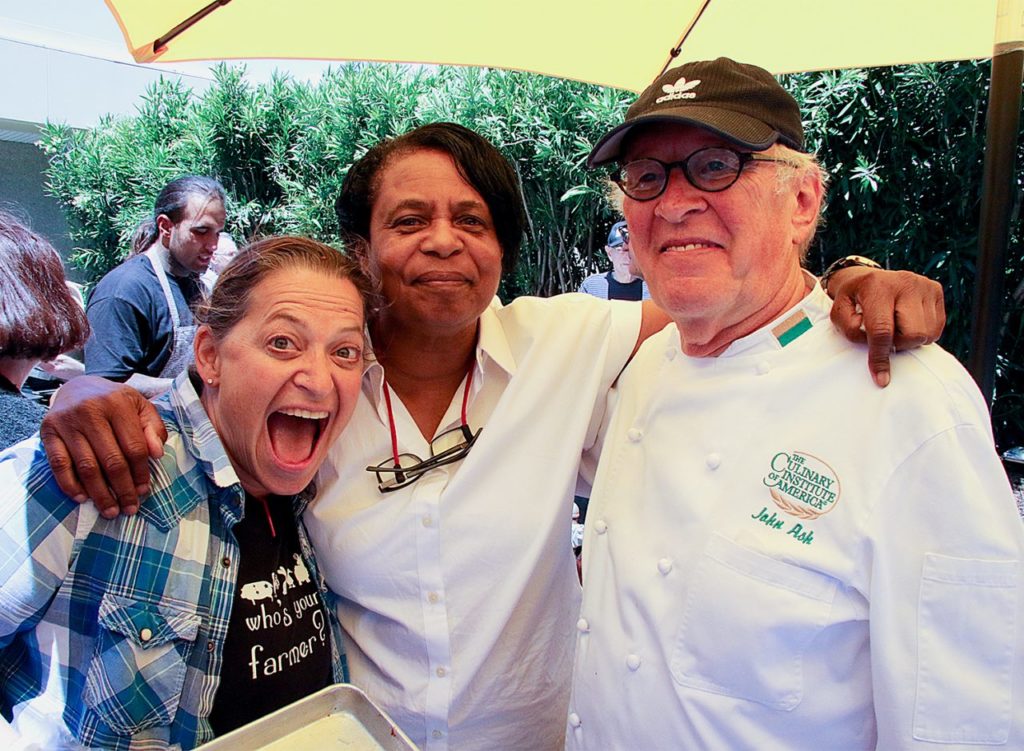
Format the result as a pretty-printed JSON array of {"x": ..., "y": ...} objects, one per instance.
[{"x": 391, "y": 414}]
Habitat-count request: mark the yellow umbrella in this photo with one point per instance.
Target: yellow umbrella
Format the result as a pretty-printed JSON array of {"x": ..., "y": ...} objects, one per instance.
[
  {"x": 626, "y": 44},
  {"x": 609, "y": 42}
]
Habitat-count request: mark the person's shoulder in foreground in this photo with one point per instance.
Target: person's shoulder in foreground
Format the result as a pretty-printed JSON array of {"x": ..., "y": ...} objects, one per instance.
[{"x": 126, "y": 590}]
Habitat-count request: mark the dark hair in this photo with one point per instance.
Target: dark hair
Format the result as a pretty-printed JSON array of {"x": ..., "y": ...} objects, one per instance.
[
  {"x": 39, "y": 318},
  {"x": 479, "y": 163},
  {"x": 143, "y": 236},
  {"x": 172, "y": 202},
  {"x": 229, "y": 300}
]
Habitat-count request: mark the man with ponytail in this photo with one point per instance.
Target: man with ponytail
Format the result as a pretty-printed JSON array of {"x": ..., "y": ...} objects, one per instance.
[{"x": 141, "y": 312}]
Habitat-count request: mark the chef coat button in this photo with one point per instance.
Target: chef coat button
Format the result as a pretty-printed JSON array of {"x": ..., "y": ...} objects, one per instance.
[
  {"x": 633, "y": 662},
  {"x": 600, "y": 526},
  {"x": 763, "y": 367},
  {"x": 582, "y": 625},
  {"x": 434, "y": 598},
  {"x": 634, "y": 434},
  {"x": 665, "y": 565},
  {"x": 437, "y": 734},
  {"x": 670, "y": 354},
  {"x": 145, "y": 635},
  {"x": 441, "y": 672},
  {"x": 428, "y": 522},
  {"x": 713, "y": 460},
  {"x": 574, "y": 720}
]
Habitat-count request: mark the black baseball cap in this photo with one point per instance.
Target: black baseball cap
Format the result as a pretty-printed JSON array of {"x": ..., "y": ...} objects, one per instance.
[{"x": 742, "y": 103}]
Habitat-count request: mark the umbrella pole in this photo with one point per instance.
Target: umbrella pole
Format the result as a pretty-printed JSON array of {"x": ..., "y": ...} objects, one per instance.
[{"x": 998, "y": 195}]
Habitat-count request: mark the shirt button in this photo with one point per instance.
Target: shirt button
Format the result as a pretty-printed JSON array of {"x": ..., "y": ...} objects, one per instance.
[
  {"x": 633, "y": 662},
  {"x": 225, "y": 562},
  {"x": 434, "y": 598},
  {"x": 582, "y": 625},
  {"x": 428, "y": 521},
  {"x": 437, "y": 734},
  {"x": 441, "y": 672},
  {"x": 713, "y": 460},
  {"x": 574, "y": 720},
  {"x": 665, "y": 565},
  {"x": 600, "y": 527},
  {"x": 763, "y": 367},
  {"x": 209, "y": 646},
  {"x": 634, "y": 434},
  {"x": 145, "y": 635}
]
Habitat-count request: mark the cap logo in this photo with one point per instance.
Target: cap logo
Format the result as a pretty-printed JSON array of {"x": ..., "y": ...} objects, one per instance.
[{"x": 678, "y": 90}]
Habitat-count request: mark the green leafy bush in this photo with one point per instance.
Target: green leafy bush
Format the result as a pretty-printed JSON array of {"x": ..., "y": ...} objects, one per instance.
[{"x": 904, "y": 146}]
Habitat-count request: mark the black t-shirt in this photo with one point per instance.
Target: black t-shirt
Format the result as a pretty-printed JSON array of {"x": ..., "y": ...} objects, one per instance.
[
  {"x": 633, "y": 290},
  {"x": 131, "y": 324},
  {"x": 278, "y": 646}
]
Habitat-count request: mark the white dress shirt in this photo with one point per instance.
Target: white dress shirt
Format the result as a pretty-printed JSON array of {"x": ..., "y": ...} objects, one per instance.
[
  {"x": 458, "y": 594},
  {"x": 780, "y": 555}
]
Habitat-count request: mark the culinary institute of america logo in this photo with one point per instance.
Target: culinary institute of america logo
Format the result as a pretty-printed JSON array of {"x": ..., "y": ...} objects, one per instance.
[{"x": 802, "y": 485}]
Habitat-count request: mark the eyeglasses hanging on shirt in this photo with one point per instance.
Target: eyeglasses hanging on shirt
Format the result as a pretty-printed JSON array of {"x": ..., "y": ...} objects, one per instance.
[{"x": 449, "y": 447}]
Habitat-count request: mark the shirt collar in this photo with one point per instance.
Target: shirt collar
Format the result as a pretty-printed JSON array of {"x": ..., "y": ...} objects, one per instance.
[
  {"x": 200, "y": 437},
  {"x": 182, "y": 479},
  {"x": 491, "y": 346},
  {"x": 814, "y": 308}
]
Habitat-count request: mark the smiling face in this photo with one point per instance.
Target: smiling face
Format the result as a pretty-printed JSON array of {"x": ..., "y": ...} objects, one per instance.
[
  {"x": 720, "y": 264},
  {"x": 433, "y": 246},
  {"x": 193, "y": 240},
  {"x": 285, "y": 378}
]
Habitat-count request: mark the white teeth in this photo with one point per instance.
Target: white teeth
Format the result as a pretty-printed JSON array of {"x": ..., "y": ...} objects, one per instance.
[
  {"x": 689, "y": 246},
  {"x": 305, "y": 413}
]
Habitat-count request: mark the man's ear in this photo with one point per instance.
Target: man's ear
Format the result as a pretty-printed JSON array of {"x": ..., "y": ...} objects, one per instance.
[
  {"x": 206, "y": 355},
  {"x": 809, "y": 195},
  {"x": 164, "y": 225}
]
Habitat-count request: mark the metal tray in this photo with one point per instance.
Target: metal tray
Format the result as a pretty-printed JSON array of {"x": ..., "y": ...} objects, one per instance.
[{"x": 337, "y": 717}]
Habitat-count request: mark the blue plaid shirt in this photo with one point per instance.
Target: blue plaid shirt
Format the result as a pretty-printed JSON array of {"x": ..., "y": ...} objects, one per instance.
[{"x": 112, "y": 631}]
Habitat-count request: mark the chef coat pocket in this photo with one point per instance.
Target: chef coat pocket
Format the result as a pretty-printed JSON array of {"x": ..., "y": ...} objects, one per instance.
[
  {"x": 966, "y": 625},
  {"x": 138, "y": 667},
  {"x": 746, "y": 622}
]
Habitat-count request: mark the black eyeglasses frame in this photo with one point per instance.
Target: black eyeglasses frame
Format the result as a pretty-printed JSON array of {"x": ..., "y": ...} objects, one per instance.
[{"x": 743, "y": 157}]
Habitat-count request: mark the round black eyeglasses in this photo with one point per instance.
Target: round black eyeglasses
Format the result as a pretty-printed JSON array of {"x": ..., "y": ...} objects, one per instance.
[{"x": 711, "y": 169}]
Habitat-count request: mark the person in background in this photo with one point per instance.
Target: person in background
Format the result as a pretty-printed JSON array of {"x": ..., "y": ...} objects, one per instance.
[
  {"x": 623, "y": 282},
  {"x": 205, "y": 611},
  {"x": 141, "y": 312},
  {"x": 226, "y": 250},
  {"x": 778, "y": 554},
  {"x": 471, "y": 411},
  {"x": 39, "y": 320}
]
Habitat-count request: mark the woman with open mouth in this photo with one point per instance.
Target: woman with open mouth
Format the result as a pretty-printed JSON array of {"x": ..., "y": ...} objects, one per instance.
[{"x": 205, "y": 610}]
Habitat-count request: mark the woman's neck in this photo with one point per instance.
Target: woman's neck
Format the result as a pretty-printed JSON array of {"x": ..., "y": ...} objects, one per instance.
[
  {"x": 16, "y": 370},
  {"x": 425, "y": 369}
]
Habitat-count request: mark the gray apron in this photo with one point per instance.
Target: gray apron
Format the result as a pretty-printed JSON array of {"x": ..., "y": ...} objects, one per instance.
[{"x": 181, "y": 347}]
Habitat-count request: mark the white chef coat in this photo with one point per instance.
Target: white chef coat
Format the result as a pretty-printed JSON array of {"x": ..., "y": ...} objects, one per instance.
[
  {"x": 780, "y": 555},
  {"x": 458, "y": 594}
]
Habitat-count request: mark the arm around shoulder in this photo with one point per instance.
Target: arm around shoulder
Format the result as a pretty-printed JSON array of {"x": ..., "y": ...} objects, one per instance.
[{"x": 98, "y": 437}]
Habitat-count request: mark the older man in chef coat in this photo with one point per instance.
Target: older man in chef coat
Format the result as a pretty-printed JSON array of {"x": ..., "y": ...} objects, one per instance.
[{"x": 781, "y": 555}]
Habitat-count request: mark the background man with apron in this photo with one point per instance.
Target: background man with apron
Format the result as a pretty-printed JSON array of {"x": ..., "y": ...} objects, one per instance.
[{"x": 141, "y": 312}]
